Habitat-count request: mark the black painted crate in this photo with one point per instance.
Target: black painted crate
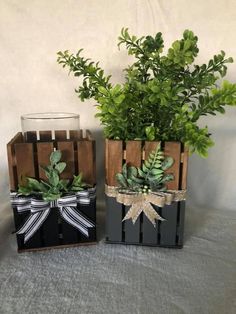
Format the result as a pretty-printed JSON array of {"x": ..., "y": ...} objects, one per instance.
[
  {"x": 168, "y": 233},
  {"x": 55, "y": 232}
]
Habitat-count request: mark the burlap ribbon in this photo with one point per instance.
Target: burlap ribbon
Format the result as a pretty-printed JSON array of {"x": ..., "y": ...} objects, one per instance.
[{"x": 141, "y": 202}]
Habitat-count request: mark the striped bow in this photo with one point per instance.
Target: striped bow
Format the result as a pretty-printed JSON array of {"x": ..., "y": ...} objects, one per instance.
[{"x": 40, "y": 209}]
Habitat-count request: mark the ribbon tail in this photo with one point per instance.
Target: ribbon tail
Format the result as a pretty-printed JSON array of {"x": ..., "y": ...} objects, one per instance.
[
  {"x": 33, "y": 223},
  {"x": 151, "y": 214},
  {"x": 133, "y": 213},
  {"x": 75, "y": 218}
]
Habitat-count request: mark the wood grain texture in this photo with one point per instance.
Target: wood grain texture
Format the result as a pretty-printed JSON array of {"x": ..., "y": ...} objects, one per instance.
[
  {"x": 44, "y": 151},
  {"x": 173, "y": 149},
  {"x": 67, "y": 150},
  {"x": 75, "y": 134},
  {"x": 114, "y": 160},
  {"x": 149, "y": 147},
  {"x": 184, "y": 169},
  {"x": 30, "y": 136},
  {"x": 60, "y": 135},
  {"x": 86, "y": 160},
  {"x": 13, "y": 182},
  {"x": 45, "y": 136},
  {"x": 134, "y": 153},
  {"x": 24, "y": 161}
]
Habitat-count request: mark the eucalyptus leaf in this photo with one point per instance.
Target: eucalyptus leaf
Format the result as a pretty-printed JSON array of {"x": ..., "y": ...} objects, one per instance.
[
  {"x": 60, "y": 167},
  {"x": 55, "y": 157},
  {"x": 167, "y": 163}
]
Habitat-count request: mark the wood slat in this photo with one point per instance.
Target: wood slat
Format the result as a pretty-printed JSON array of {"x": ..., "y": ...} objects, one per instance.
[
  {"x": 114, "y": 160},
  {"x": 168, "y": 227},
  {"x": 134, "y": 153},
  {"x": 67, "y": 149},
  {"x": 45, "y": 136},
  {"x": 24, "y": 161},
  {"x": 149, "y": 147},
  {"x": 75, "y": 134},
  {"x": 11, "y": 161},
  {"x": 44, "y": 151},
  {"x": 173, "y": 149},
  {"x": 30, "y": 136},
  {"x": 184, "y": 169},
  {"x": 86, "y": 160},
  {"x": 60, "y": 135},
  {"x": 181, "y": 219},
  {"x": 113, "y": 220},
  {"x": 88, "y": 135},
  {"x": 132, "y": 231}
]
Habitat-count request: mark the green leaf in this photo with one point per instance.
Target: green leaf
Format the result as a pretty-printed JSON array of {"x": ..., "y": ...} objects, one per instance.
[
  {"x": 167, "y": 177},
  {"x": 60, "y": 167},
  {"x": 55, "y": 157},
  {"x": 54, "y": 178},
  {"x": 121, "y": 180},
  {"x": 102, "y": 90},
  {"x": 167, "y": 162},
  {"x": 51, "y": 197},
  {"x": 156, "y": 171},
  {"x": 33, "y": 184},
  {"x": 132, "y": 171}
]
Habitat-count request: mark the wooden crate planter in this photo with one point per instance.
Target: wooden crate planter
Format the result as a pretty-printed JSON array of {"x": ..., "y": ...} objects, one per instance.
[
  {"x": 168, "y": 233},
  {"x": 25, "y": 155}
]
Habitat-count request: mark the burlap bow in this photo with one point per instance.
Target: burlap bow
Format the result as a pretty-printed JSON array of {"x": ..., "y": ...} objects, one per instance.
[{"x": 141, "y": 202}]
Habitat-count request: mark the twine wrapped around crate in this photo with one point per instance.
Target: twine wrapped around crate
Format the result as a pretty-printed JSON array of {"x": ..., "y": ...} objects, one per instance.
[
  {"x": 141, "y": 202},
  {"x": 40, "y": 209}
]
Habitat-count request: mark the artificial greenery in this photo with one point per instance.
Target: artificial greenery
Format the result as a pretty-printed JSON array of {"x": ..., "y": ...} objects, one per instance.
[
  {"x": 163, "y": 96},
  {"x": 150, "y": 176},
  {"x": 54, "y": 187}
]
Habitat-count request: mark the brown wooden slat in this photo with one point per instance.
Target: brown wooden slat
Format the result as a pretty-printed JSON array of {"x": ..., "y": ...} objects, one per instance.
[
  {"x": 88, "y": 135},
  {"x": 67, "y": 149},
  {"x": 106, "y": 160},
  {"x": 30, "y": 136},
  {"x": 24, "y": 161},
  {"x": 149, "y": 147},
  {"x": 45, "y": 136},
  {"x": 60, "y": 135},
  {"x": 173, "y": 149},
  {"x": 184, "y": 169},
  {"x": 86, "y": 160},
  {"x": 114, "y": 160},
  {"x": 75, "y": 134},
  {"x": 133, "y": 153},
  {"x": 44, "y": 151},
  {"x": 11, "y": 161}
]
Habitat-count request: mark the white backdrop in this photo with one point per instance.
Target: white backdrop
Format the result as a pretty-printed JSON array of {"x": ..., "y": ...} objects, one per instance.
[{"x": 32, "y": 31}]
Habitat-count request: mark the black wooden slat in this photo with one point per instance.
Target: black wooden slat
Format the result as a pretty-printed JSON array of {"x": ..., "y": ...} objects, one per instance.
[
  {"x": 113, "y": 220},
  {"x": 90, "y": 212},
  {"x": 150, "y": 233},
  {"x": 50, "y": 230},
  {"x": 180, "y": 227},
  {"x": 132, "y": 231},
  {"x": 168, "y": 227}
]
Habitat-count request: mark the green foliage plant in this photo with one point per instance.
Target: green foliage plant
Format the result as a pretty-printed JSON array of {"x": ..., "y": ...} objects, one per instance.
[
  {"x": 150, "y": 177},
  {"x": 163, "y": 96},
  {"x": 55, "y": 187}
]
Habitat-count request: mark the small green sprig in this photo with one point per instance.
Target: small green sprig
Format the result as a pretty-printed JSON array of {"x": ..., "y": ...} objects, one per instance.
[
  {"x": 55, "y": 187},
  {"x": 150, "y": 177}
]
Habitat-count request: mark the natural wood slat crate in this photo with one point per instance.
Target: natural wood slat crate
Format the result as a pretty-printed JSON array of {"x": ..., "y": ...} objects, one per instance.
[
  {"x": 168, "y": 233},
  {"x": 25, "y": 156}
]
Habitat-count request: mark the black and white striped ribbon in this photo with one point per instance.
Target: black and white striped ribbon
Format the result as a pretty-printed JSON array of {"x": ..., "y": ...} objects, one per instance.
[{"x": 40, "y": 210}]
